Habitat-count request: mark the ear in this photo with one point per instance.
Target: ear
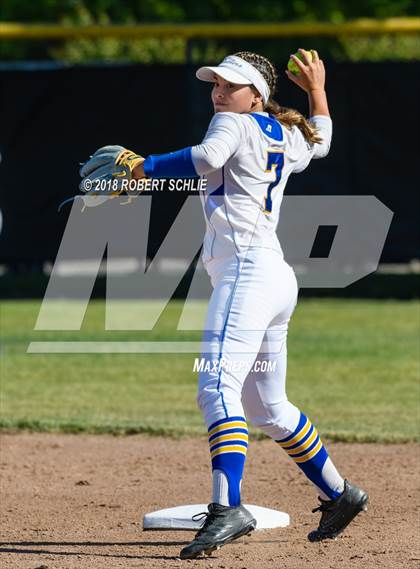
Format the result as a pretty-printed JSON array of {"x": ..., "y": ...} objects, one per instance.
[{"x": 256, "y": 100}]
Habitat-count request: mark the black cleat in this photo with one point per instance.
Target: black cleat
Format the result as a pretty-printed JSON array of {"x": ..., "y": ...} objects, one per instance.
[
  {"x": 222, "y": 525},
  {"x": 337, "y": 514}
]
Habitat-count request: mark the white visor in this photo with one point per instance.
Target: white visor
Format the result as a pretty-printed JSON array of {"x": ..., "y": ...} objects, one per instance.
[{"x": 236, "y": 70}]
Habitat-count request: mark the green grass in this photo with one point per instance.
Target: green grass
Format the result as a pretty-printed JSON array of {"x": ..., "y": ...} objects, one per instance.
[{"x": 353, "y": 368}]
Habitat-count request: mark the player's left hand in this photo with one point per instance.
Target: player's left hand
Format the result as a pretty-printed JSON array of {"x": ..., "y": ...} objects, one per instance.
[
  {"x": 111, "y": 163},
  {"x": 312, "y": 73}
]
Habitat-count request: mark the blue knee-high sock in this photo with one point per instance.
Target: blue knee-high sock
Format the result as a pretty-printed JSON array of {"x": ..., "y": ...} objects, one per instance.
[
  {"x": 228, "y": 439},
  {"x": 305, "y": 447}
]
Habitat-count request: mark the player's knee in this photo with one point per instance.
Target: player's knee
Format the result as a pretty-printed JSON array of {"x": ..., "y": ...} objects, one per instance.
[
  {"x": 207, "y": 397},
  {"x": 276, "y": 419}
]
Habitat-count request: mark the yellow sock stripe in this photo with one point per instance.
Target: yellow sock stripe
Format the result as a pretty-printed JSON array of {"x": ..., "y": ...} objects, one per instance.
[
  {"x": 233, "y": 448},
  {"x": 310, "y": 454},
  {"x": 231, "y": 437},
  {"x": 298, "y": 437},
  {"x": 226, "y": 426},
  {"x": 304, "y": 445}
]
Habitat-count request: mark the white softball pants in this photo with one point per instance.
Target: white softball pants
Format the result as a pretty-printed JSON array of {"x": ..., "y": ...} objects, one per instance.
[{"x": 246, "y": 329}]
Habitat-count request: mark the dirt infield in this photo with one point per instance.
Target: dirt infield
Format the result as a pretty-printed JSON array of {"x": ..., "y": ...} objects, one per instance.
[{"x": 77, "y": 501}]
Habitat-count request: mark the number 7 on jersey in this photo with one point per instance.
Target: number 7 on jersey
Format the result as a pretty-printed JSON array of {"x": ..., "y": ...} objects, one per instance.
[{"x": 275, "y": 163}]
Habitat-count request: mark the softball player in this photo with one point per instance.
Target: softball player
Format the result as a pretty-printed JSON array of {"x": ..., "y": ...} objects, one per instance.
[{"x": 250, "y": 149}]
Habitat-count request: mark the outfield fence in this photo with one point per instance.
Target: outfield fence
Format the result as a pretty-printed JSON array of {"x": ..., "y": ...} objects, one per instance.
[{"x": 21, "y": 31}]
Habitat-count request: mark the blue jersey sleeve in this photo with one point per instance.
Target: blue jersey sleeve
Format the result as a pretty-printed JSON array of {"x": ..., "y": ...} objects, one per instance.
[{"x": 177, "y": 164}]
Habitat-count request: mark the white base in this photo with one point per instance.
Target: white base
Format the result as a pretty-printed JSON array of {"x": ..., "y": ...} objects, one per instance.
[{"x": 180, "y": 518}]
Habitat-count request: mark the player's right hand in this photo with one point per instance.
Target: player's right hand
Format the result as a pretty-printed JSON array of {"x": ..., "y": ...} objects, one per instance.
[{"x": 312, "y": 73}]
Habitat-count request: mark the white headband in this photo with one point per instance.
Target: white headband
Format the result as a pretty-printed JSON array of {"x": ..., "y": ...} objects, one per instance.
[{"x": 236, "y": 70}]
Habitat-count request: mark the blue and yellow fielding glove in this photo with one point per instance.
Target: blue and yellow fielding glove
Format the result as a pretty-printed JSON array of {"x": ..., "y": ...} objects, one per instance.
[{"x": 109, "y": 164}]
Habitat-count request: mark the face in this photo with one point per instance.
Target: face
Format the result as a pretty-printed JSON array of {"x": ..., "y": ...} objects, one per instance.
[{"x": 234, "y": 98}]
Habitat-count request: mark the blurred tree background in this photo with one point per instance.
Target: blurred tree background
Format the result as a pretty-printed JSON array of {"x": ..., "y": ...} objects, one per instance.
[{"x": 386, "y": 47}]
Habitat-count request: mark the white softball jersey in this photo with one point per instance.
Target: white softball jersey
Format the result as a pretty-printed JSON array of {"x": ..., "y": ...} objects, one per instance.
[{"x": 247, "y": 160}]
